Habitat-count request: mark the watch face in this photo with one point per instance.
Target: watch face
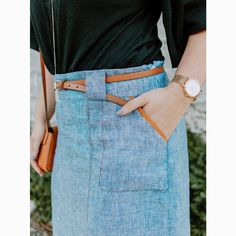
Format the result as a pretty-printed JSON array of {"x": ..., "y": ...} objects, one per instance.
[{"x": 192, "y": 87}]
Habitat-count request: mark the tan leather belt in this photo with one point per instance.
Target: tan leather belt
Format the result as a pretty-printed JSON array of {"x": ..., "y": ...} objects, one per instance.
[{"x": 80, "y": 86}]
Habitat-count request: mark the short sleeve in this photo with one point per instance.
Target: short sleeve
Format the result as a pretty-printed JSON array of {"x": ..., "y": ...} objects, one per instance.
[
  {"x": 182, "y": 18},
  {"x": 194, "y": 15},
  {"x": 33, "y": 40},
  {"x": 188, "y": 16}
]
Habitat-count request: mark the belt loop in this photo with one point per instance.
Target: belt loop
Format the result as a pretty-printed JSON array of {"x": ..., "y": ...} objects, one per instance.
[{"x": 95, "y": 84}]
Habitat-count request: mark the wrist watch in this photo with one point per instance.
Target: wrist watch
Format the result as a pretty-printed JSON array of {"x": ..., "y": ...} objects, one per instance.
[{"x": 191, "y": 86}]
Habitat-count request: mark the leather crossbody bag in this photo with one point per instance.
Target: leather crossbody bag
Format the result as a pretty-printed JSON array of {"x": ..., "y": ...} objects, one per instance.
[{"x": 48, "y": 145}]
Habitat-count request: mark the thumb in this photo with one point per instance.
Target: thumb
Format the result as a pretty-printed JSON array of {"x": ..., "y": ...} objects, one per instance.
[{"x": 133, "y": 104}]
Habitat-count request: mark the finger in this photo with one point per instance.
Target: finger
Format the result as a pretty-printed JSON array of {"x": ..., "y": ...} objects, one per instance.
[
  {"x": 35, "y": 166},
  {"x": 34, "y": 148},
  {"x": 35, "y": 144},
  {"x": 133, "y": 104}
]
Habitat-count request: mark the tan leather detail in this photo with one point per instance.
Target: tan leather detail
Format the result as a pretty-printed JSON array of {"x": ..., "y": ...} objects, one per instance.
[
  {"x": 75, "y": 84},
  {"x": 122, "y": 102},
  {"x": 150, "y": 121},
  {"x": 180, "y": 79},
  {"x": 71, "y": 85},
  {"x": 135, "y": 75},
  {"x": 47, "y": 150},
  {"x": 80, "y": 86},
  {"x": 45, "y": 137},
  {"x": 48, "y": 145},
  {"x": 116, "y": 99}
]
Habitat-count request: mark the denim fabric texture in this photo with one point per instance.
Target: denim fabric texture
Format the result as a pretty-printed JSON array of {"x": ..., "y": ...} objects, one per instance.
[{"x": 115, "y": 175}]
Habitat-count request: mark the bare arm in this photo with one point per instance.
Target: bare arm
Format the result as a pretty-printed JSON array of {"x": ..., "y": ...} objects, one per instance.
[
  {"x": 40, "y": 119},
  {"x": 167, "y": 105},
  {"x": 40, "y": 110},
  {"x": 193, "y": 62}
]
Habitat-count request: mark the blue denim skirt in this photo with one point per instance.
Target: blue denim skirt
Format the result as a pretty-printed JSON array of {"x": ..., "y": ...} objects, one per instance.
[{"x": 115, "y": 175}]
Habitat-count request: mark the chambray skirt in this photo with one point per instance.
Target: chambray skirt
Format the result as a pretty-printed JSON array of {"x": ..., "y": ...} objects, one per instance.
[{"x": 115, "y": 175}]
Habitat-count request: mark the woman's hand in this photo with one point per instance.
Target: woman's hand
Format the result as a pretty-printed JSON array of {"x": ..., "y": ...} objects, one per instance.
[
  {"x": 165, "y": 106},
  {"x": 35, "y": 141}
]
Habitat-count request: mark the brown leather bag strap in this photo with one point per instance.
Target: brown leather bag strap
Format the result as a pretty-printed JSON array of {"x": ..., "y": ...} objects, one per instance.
[{"x": 44, "y": 88}]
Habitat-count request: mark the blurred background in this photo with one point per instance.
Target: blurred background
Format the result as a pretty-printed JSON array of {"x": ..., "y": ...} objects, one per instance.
[{"x": 196, "y": 123}]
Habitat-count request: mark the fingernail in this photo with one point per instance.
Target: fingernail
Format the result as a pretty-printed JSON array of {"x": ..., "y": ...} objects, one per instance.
[{"x": 122, "y": 111}]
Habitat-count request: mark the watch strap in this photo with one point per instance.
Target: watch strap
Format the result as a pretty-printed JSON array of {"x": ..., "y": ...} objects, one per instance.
[{"x": 180, "y": 79}]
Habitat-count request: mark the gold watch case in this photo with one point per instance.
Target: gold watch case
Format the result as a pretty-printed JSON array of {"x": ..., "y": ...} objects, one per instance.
[{"x": 191, "y": 86}]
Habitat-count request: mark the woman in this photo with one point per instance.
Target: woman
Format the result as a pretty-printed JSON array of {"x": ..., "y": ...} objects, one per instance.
[{"x": 121, "y": 161}]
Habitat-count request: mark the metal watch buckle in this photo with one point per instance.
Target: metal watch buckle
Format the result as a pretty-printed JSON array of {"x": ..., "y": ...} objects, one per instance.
[{"x": 55, "y": 85}]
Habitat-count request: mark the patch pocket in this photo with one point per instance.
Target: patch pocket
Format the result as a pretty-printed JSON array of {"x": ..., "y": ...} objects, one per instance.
[{"x": 134, "y": 156}]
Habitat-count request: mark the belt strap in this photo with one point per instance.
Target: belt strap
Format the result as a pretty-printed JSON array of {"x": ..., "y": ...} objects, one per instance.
[
  {"x": 79, "y": 85},
  {"x": 75, "y": 84},
  {"x": 134, "y": 75}
]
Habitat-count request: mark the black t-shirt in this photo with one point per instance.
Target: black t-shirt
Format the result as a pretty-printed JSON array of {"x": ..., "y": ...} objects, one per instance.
[{"x": 92, "y": 34}]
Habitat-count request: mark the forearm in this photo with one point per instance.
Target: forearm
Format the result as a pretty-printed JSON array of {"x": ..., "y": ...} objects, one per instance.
[
  {"x": 193, "y": 63},
  {"x": 40, "y": 115},
  {"x": 167, "y": 105}
]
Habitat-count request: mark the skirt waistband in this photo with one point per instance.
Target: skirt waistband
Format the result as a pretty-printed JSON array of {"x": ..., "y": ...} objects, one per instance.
[
  {"x": 94, "y": 81},
  {"x": 77, "y": 75}
]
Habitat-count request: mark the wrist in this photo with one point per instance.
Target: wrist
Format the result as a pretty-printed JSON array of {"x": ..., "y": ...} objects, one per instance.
[
  {"x": 190, "y": 86},
  {"x": 178, "y": 93}
]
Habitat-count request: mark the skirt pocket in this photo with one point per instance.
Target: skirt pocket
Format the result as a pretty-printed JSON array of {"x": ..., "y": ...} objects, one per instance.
[
  {"x": 134, "y": 156},
  {"x": 152, "y": 123}
]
